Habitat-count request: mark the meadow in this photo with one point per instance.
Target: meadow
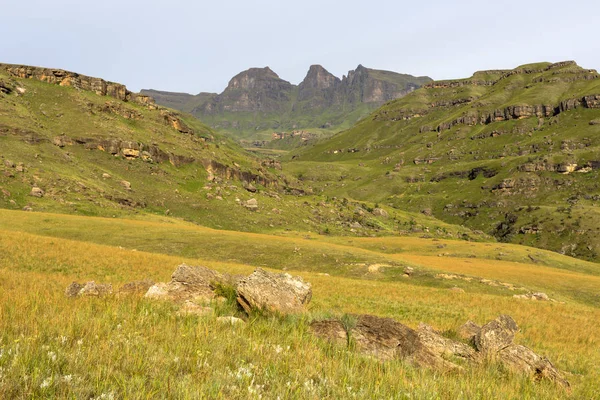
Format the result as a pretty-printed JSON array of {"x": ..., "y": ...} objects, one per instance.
[{"x": 130, "y": 347}]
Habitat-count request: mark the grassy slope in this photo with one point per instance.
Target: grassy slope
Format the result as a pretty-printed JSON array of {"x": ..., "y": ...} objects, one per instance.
[
  {"x": 135, "y": 348},
  {"x": 566, "y": 217}
]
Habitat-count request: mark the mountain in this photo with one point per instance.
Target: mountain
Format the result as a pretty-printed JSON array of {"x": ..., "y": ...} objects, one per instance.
[
  {"x": 514, "y": 153},
  {"x": 258, "y": 100},
  {"x": 75, "y": 144}
]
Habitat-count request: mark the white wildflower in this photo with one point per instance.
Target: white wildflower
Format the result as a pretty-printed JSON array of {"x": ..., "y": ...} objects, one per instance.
[
  {"x": 63, "y": 339},
  {"x": 80, "y": 342},
  {"x": 52, "y": 356},
  {"x": 47, "y": 382},
  {"x": 67, "y": 378},
  {"x": 278, "y": 349}
]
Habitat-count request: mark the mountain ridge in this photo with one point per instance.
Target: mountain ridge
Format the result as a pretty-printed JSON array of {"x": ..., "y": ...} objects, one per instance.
[{"x": 257, "y": 99}]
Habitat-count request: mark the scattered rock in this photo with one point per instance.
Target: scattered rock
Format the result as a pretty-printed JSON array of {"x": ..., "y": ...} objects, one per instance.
[
  {"x": 249, "y": 187},
  {"x": 36, "y": 192},
  {"x": 27, "y": 208},
  {"x": 380, "y": 212},
  {"x": 5, "y": 193},
  {"x": 533, "y": 296},
  {"x": 61, "y": 141},
  {"x": 251, "y": 204},
  {"x": 9, "y": 164},
  {"x": 106, "y": 176},
  {"x": 126, "y": 185},
  {"x": 496, "y": 334},
  {"x": 231, "y": 320},
  {"x": 273, "y": 292},
  {"x": 408, "y": 271}
]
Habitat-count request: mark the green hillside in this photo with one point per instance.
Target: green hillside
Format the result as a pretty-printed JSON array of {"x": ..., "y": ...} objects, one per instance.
[{"x": 513, "y": 153}]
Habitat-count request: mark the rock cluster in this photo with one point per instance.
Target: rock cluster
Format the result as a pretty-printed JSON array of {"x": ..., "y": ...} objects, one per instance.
[{"x": 386, "y": 339}]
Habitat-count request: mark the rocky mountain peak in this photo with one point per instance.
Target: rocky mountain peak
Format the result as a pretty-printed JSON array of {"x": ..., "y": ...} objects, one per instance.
[
  {"x": 257, "y": 79},
  {"x": 318, "y": 78}
]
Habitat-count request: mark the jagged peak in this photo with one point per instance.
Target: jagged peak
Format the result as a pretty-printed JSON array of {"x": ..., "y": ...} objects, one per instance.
[{"x": 318, "y": 77}]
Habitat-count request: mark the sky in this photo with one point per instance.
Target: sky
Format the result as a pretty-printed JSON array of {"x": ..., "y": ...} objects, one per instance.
[{"x": 198, "y": 46}]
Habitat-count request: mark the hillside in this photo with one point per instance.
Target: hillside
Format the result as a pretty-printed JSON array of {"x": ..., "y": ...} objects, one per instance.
[
  {"x": 514, "y": 153},
  {"x": 257, "y": 101},
  {"x": 80, "y": 145}
]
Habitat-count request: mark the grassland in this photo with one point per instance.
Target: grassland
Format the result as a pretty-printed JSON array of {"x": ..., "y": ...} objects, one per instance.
[
  {"x": 129, "y": 347},
  {"x": 428, "y": 151}
]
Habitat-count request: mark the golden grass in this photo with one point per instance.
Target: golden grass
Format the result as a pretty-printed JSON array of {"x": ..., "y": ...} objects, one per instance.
[{"x": 135, "y": 348}]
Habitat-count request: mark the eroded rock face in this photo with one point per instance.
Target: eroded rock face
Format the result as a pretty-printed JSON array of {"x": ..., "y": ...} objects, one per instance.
[{"x": 268, "y": 291}]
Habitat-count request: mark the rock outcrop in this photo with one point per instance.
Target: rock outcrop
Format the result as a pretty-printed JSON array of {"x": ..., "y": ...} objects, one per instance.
[
  {"x": 386, "y": 339},
  {"x": 272, "y": 292}
]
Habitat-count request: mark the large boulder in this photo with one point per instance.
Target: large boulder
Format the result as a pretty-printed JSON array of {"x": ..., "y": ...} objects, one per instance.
[
  {"x": 273, "y": 292},
  {"x": 496, "y": 335},
  {"x": 468, "y": 331},
  {"x": 443, "y": 346},
  {"x": 190, "y": 283},
  {"x": 382, "y": 338}
]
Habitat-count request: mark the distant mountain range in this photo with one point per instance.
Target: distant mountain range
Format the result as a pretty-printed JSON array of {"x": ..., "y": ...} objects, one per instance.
[{"x": 259, "y": 100}]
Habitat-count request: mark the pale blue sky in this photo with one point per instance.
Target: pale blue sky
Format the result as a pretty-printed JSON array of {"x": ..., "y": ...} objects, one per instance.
[{"x": 193, "y": 46}]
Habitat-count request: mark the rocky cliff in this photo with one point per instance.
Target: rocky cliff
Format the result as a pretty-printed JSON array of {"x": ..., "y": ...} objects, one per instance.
[{"x": 258, "y": 99}]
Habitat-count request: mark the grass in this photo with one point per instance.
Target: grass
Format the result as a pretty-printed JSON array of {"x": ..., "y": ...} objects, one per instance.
[{"x": 130, "y": 347}]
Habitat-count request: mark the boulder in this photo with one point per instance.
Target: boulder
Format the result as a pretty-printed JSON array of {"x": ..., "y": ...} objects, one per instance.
[
  {"x": 380, "y": 212},
  {"x": 189, "y": 283},
  {"x": 126, "y": 185},
  {"x": 251, "y": 204},
  {"x": 443, "y": 347},
  {"x": 496, "y": 335},
  {"x": 273, "y": 292},
  {"x": 521, "y": 359},
  {"x": 136, "y": 287},
  {"x": 89, "y": 289},
  {"x": 249, "y": 187},
  {"x": 382, "y": 338},
  {"x": 468, "y": 330},
  {"x": 331, "y": 330},
  {"x": 36, "y": 192},
  {"x": 73, "y": 289}
]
